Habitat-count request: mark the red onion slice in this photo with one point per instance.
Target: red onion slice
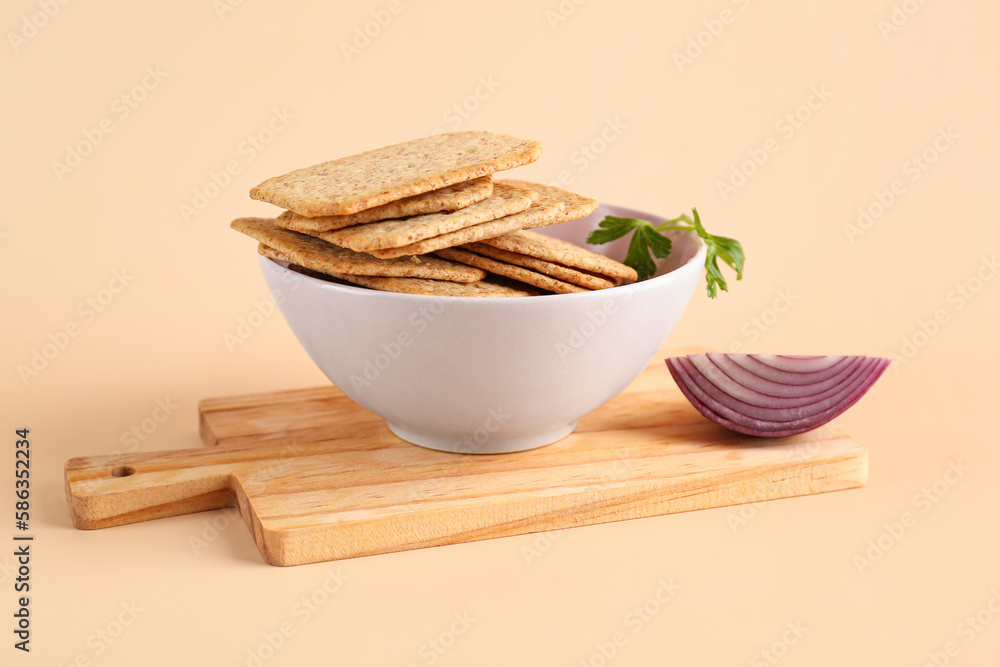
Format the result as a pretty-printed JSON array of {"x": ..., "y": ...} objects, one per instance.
[
  {"x": 754, "y": 389},
  {"x": 772, "y": 395},
  {"x": 775, "y": 409},
  {"x": 798, "y": 364},
  {"x": 759, "y": 368}
]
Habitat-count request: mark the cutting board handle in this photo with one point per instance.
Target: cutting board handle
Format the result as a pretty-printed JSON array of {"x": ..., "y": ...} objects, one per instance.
[{"x": 105, "y": 491}]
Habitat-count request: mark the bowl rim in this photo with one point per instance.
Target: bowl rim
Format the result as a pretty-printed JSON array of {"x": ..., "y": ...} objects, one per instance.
[{"x": 695, "y": 262}]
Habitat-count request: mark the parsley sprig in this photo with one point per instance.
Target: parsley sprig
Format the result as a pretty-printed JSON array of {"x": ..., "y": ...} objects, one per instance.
[{"x": 648, "y": 239}]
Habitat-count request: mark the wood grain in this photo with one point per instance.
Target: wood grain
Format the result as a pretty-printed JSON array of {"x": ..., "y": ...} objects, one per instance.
[{"x": 316, "y": 477}]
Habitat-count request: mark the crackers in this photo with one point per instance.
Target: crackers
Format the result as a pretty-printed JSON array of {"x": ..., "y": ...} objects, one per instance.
[
  {"x": 488, "y": 287},
  {"x": 318, "y": 255},
  {"x": 563, "y": 273},
  {"x": 427, "y": 217},
  {"x": 373, "y": 178},
  {"x": 448, "y": 198},
  {"x": 518, "y": 273},
  {"x": 576, "y": 206},
  {"x": 540, "y": 213},
  {"x": 562, "y": 252},
  {"x": 505, "y": 200}
]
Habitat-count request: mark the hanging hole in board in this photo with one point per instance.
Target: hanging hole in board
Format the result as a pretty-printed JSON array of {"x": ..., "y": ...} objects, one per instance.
[{"x": 122, "y": 471}]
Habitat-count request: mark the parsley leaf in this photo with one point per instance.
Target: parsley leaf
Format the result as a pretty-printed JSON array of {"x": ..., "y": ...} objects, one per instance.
[
  {"x": 648, "y": 239},
  {"x": 612, "y": 228}
]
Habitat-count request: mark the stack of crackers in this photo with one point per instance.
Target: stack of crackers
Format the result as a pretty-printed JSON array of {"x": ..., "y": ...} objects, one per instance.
[{"x": 427, "y": 217}]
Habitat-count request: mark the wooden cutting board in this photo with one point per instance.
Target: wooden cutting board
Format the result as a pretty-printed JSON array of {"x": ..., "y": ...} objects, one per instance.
[{"x": 316, "y": 477}]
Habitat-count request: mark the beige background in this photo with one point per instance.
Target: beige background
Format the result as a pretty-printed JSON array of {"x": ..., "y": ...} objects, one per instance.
[{"x": 887, "y": 80}]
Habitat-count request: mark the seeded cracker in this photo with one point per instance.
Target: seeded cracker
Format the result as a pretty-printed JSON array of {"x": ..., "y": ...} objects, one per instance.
[
  {"x": 563, "y": 273},
  {"x": 379, "y": 176},
  {"x": 268, "y": 251},
  {"x": 448, "y": 198},
  {"x": 518, "y": 273},
  {"x": 504, "y": 201},
  {"x": 488, "y": 287},
  {"x": 318, "y": 255},
  {"x": 577, "y": 206},
  {"x": 542, "y": 212},
  {"x": 561, "y": 252},
  {"x": 483, "y": 288}
]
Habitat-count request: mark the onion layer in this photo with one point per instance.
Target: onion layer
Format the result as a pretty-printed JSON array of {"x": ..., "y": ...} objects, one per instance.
[{"x": 770, "y": 395}]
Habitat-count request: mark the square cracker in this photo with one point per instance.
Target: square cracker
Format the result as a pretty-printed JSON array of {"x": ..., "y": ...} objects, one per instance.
[
  {"x": 542, "y": 212},
  {"x": 372, "y": 178},
  {"x": 563, "y": 273},
  {"x": 488, "y": 287},
  {"x": 505, "y": 200},
  {"x": 577, "y": 206},
  {"x": 561, "y": 252},
  {"x": 518, "y": 273},
  {"x": 448, "y": 198},
  {"x": 318, "y": 255}
]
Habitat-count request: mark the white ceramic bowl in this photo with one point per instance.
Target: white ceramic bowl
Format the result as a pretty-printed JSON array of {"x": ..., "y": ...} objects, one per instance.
[{"x": 489, "y": 375}]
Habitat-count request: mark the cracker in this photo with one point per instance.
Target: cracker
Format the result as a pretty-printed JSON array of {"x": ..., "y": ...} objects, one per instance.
[
  {"x": 542, "y": 212},
  {"x": 518, "y": 273},
  {"x": 505, "y": 200},
  {"x": 563, "y": 273},
  {"x": 577, "y": 206},
  {"x": 268, "y": 251},
  {"x": 316, "y": 254},
  {"x": 561, "y": 252},
  {"x": 372, "y": 178},
  {"x": 488, "y": 287},
  {"x": 448, "y": 198}
]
